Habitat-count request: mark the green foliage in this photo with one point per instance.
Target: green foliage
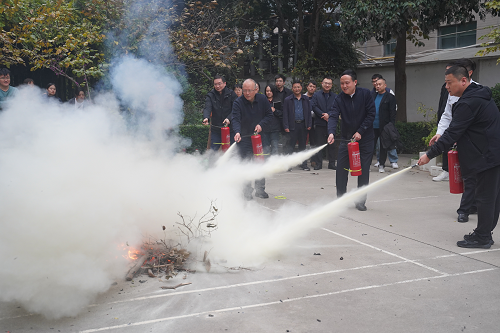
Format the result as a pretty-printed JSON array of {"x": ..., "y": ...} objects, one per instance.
[
  {"x": 496, "y": 94},
  {"x": 198, "y": 135},
  {"x": 430, "y": 121},
  {"x": 415, "y": 19},
  {"x": 335, "y": 54},
  {"x": 57, "y": 35},
  {"x": 493, "y": 35},
  {"x": 411, "y": 136}
]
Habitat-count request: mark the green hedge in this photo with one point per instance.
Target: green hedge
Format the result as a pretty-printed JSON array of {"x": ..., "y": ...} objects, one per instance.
[
  {"x": 198, "y": 134},
  {"x": 411, "y": 136},
  {"x": 496, "y": 94}
]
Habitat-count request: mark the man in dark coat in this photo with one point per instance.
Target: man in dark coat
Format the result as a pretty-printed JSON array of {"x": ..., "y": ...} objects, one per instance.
[
  {"x": 357, "y": 109},
  {"x": 217, "y": 111},
  {"x": 475, "y": 127},
  {"x": 251, "y": 113},
  {"x": 280, "y": 92},
  {"x": 385, "y": 107},
  {"x": 297, "y": 119},
  {"x": 322, "y": 102}
]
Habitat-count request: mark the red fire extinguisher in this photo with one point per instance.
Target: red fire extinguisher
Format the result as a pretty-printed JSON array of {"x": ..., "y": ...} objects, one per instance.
[
  {"x": 456, "y": 181},
  {"x": 258, "y": 151},
  {"x": 225, "y": 138},
  {"x": 354, "y": 158}
]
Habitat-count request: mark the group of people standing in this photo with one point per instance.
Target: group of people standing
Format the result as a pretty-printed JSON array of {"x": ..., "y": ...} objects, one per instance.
[
  {"x": 290, "y": 116},
  {"x": 7, "y": 91}
]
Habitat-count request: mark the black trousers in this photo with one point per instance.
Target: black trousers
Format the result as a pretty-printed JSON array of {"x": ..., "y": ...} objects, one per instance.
[
  {"x": 488, "y": 201},
  {"x": 298, "y": 134},
  {"x": 366, "y": 146},
  {"x": 321, "y": 137},
  {"x": 469, "y": 196},
  {"x": 246, "y": 152},
  {"x": 383, "y": 152}
]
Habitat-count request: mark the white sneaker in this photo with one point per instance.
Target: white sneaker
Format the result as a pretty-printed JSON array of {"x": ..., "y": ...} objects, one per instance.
[
  {"x": 381, "y": 169},
  {"x": 376, "y": 164},
  {"x": 395, "y": 165},
  {"x": 441, "y": 177}
]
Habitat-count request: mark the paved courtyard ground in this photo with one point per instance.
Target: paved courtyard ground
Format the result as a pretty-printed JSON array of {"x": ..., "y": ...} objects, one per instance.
[{"x": 393, "y": 268}]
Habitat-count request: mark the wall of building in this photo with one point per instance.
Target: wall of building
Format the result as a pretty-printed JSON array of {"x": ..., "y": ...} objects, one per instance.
[
  {"x": 373, "y": 49},
  {"x": 424, "y": 81}
]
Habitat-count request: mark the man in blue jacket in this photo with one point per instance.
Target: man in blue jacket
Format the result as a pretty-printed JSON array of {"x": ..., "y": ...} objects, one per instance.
[
  {"x": 475, "y": 127},
  {"x": 357, "y": 109},
  {"x": 385, "y": 106},
  {"x": 297, "y": 119},
  {"x": 322, "y": 102},
  {"x": 251, "y": 113}
]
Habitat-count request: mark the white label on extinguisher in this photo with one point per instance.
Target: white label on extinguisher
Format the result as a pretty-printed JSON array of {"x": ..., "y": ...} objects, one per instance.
[
  {"x": 457, "y": 173},
  {"x": 356, "y": 159}
]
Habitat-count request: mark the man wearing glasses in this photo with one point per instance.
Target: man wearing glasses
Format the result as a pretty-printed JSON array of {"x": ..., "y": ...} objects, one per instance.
[
  {"x": 6, "y": 91},
  {"x": 218, "y": 106}
]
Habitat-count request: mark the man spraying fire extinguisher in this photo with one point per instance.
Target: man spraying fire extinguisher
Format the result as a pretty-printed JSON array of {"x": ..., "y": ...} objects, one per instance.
[
  {"x": 475, "y": 127},
  {"x": 357, "y": 110},
  {"x": 251, "y": 112}
]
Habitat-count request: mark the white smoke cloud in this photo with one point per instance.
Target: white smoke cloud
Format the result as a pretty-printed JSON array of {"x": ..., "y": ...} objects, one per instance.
[{"x": 75, "y": 186}]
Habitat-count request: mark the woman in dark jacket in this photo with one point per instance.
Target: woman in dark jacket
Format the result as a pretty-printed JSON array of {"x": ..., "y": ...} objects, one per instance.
[
  {"x": 271, "y": 135},
  {"x": 51, "y": 93}
]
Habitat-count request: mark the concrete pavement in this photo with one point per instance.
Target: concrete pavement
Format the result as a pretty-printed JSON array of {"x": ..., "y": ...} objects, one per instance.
[{"x": 393, "y": 268}]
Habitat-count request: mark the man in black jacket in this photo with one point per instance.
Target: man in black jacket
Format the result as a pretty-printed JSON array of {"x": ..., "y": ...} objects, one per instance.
[
  {"x": 322, "y": 102},
  {"x": 297, "y": 120},
  {"x": 280, "y": 92},
  {"x": 475, "y": 127},
  {"x": 218, "y": 106},
  {"x": 357, "y": 109},
  {"x": 385, "y": 107},
  {"x": 251, "y": 113}
]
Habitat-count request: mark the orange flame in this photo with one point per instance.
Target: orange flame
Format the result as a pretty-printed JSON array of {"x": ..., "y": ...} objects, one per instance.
[{"x": 132, "y": 253}]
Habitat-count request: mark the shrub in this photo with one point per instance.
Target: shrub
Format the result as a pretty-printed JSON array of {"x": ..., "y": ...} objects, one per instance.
[
  {"x": 496, "y": 94},
  {"x": 198, "y": 135},
  {"x": 412, "y": 134}
]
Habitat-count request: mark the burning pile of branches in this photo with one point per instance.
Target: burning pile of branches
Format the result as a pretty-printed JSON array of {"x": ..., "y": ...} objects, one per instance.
[{"x": 161, "y": 259}]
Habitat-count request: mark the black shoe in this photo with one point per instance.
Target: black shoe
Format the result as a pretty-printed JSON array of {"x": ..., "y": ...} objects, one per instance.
[
  {"x": 305, "y": 168},
  {"x": 473, "y": 210},
  {"x": 463, "y": 218},
  {"x": 289, "y": 169},
  {"x": 332, "y": 166},
  {"x": 474, "y": 242},
  {"x": 261, "y": 194},
  {"x": 317, "y": 167},
  {"x": 473, "y": 234},
  {"x": 361, "y": 207}
]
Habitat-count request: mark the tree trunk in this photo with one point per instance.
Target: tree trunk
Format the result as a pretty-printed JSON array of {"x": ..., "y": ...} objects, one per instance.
[{"x": 400, "y": 77}]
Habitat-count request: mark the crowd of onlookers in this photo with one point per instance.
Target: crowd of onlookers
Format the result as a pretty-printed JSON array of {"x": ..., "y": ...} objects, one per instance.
[
  {"x": 276, "y": 136},
  {"x": 7, "y": 91}
]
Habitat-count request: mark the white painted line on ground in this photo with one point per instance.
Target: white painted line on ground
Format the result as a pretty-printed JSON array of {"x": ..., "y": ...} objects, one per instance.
[
  {"x": 254, "y": 283},
  {"x": 147, "y": 322},
  {"x": 402, "y": 199},
  {"x": 465, "y": 253},
  {"x": 384, "y": 251}
]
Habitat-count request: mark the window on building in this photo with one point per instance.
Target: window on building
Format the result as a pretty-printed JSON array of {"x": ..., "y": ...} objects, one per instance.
[
  {"x": 390, "y": 48},
  {"x": 458, "y": 35}
]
